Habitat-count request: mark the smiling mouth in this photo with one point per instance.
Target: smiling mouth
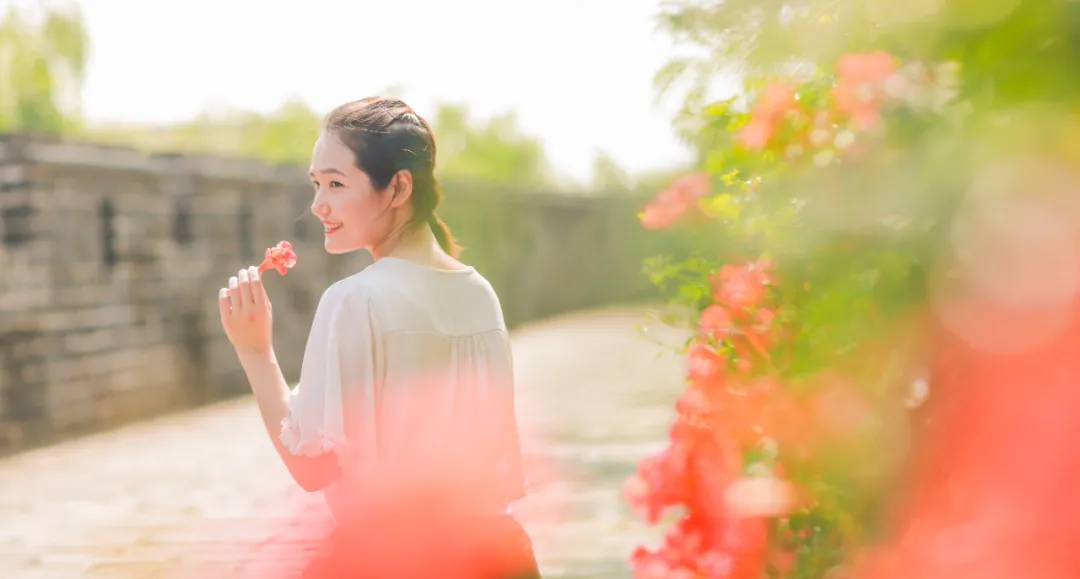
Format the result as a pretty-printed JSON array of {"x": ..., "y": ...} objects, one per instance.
[{"x": 331, "y": 228}]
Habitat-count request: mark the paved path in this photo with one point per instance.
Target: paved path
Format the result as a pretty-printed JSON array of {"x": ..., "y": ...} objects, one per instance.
[{"x": 202, "y": 495}]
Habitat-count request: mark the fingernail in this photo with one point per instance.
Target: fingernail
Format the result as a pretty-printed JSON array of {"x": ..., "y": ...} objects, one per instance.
[
  {"x": 232, "y": 282},
  {"x": 253, "y": 273},
  {"x": 223, "y": 293},
  {"x": 242, "y": 275}
]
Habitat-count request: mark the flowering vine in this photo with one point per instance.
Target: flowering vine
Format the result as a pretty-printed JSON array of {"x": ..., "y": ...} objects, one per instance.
[{"x": 747, "y": 465}]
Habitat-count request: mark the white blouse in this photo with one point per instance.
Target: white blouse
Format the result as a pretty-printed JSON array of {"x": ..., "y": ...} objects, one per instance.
[{"x": 408, "y": 378}]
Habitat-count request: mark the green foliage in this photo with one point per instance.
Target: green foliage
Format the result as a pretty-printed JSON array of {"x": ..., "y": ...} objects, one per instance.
[
  {"x": 1012, "y": 52},
  {"x": 284, "y": 136},
  {"x": 42, "y": 62},
  {"x": 855, "y": 224},
  {"x": 494, "y": 151},
  {"x": 609, "y": 177},
  {"x": 43, "y": 58}
]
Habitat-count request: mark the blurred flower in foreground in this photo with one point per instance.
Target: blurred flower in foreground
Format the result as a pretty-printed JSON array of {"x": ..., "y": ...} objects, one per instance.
[
  {"x": 671, "y": 203},
  {"x": 760, "y": 496},
  {"x": 859, "y": 89},
  {"x": 1011, "y": 276},
  {"x": 776, "y": 102}
]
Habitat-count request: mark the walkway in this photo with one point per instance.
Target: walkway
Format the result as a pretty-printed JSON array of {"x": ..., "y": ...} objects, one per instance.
[{"x": 202, "y": 495}]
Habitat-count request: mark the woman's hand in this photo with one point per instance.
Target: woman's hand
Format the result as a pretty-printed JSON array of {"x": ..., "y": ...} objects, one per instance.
[{"x": 246, "y": 314}]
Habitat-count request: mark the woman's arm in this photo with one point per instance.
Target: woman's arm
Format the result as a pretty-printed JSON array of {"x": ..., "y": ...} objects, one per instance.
[
  {"x": 312, "y": 473},
  {"x": 306, "y": 429}
]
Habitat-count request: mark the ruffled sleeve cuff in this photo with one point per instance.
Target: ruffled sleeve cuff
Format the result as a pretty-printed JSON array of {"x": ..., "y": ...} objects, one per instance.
[
  {"x": 337, "y": 361},
  {"x": 310, "y": 442},
  {"x": 302, "y": 438}
]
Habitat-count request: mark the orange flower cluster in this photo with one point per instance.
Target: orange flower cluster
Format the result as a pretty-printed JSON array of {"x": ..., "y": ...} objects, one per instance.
[
  {"x": 735, "y": 406},
  {"x": 723, "y": 411},
  {"x": 858, "y": 96},
  {"x": 860, "y": 87},
  {"x": 776, "y": 102}
]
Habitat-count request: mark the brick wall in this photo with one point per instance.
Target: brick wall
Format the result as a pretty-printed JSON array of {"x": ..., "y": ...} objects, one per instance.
[{"x": 110, "y": 262}]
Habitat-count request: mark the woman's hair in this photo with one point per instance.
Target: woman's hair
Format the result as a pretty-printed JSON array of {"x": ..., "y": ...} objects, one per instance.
[{"x": 387, "y": 136}]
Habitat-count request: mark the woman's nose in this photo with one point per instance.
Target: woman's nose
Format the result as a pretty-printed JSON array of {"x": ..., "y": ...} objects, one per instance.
[{"x": 320, "y": 209}]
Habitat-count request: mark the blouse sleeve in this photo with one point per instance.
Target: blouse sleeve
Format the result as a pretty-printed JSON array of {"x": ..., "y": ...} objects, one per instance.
[{"x": 338, "y": 365}]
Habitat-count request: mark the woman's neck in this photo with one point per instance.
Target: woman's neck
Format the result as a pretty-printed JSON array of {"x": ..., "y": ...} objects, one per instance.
[{"x": 414, "y": 244}]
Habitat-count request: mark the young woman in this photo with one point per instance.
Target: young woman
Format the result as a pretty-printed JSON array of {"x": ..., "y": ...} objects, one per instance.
[{"x": 404, "y": 415}]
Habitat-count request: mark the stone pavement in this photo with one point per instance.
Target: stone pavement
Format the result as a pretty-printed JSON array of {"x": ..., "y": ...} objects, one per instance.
[{"x": 202, "y": 494}]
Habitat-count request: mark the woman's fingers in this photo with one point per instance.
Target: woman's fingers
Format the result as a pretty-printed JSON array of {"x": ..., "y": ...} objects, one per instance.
[
  {"x": 245, "y": 290},
  {"x": 234, "y": 295},
  {"x": 244, "y": 295},
  {"x": 224, "y": 308},
  {"x": 258, "y": 292}
]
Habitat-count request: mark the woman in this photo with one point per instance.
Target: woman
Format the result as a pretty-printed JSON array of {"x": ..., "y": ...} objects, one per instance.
[{"x": 404, "y": 415}]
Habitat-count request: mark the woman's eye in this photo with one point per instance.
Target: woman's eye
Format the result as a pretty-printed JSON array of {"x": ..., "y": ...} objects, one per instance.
[{"x": 332, "y": 185}]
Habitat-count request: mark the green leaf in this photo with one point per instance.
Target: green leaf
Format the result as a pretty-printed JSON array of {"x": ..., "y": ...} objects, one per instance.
[{"x": 725, "y": 207}]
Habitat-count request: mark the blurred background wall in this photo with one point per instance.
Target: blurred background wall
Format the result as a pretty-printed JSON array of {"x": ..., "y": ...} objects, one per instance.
[
  {"x": 112, "y": 259},
  {"x": 138, "y": 170}
]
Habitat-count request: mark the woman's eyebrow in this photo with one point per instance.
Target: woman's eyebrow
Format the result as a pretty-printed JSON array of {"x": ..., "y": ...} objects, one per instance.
[{"x": 328, "y": 171}]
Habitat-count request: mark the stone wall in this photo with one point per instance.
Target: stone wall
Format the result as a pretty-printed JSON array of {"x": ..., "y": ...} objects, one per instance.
[{"x": 111, "y": 260}]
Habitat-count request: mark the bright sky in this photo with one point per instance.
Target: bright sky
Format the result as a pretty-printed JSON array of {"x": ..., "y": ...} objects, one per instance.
[{"x": 578, "y": 72}]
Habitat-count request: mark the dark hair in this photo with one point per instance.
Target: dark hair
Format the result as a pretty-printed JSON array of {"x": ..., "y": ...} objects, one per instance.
[{"x": 387, "y": 136}]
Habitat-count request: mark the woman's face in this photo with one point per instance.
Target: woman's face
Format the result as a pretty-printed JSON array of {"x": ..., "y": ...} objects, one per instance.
[{"x": 353, "y": 213}]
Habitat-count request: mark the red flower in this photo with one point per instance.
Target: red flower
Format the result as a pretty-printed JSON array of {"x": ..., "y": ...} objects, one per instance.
[
  {"x": 762, "y": 331},
  {"x": 871, "y": 67},
  {"x": 647, "y": 565},
  {"x": 684, "y": 542},
  {"x": 860, "y": 86},
  {"x": 716, "y": 565},
  {"x": 756, "y": 134},
  {"x": 740, "y": 286},
  {"x": 694, "y": 402},
  {"x": 280, "y": 257},
  {"x": 638, "y": 495},
  {"x": 776, "y": 101},
  {"x": 746, "y": 540},
  {"x": 714, "y": 423},
  {"x": 715, "y": 322},
  {"x": 704, "y": 363},
  {"x": 760, "y": 496},
  {"x": 839, "y": 409},
  {"x": 662, "y": 480},
  {"x": 764, "y": 318},
  {"x": 671, "y": 203}
]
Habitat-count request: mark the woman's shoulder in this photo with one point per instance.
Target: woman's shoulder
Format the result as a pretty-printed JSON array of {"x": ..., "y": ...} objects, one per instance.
[
  {"x": 375, "y": 284},
  {"x": 400, "y": 276},
  {"x": 358, "y": 288},
  {"x": 408, "y": 294}
]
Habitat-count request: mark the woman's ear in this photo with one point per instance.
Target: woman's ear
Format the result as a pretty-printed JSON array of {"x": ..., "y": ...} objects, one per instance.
[{"x": 402, "y": 188}]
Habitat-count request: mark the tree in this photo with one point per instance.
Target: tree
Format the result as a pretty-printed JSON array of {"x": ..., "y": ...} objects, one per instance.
[
  {"x": 609, "y": 177},
  {"x": 42, "y": 63},
  {"x": 493, "y": 151},
  {"x": 283, "y": 136}
]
